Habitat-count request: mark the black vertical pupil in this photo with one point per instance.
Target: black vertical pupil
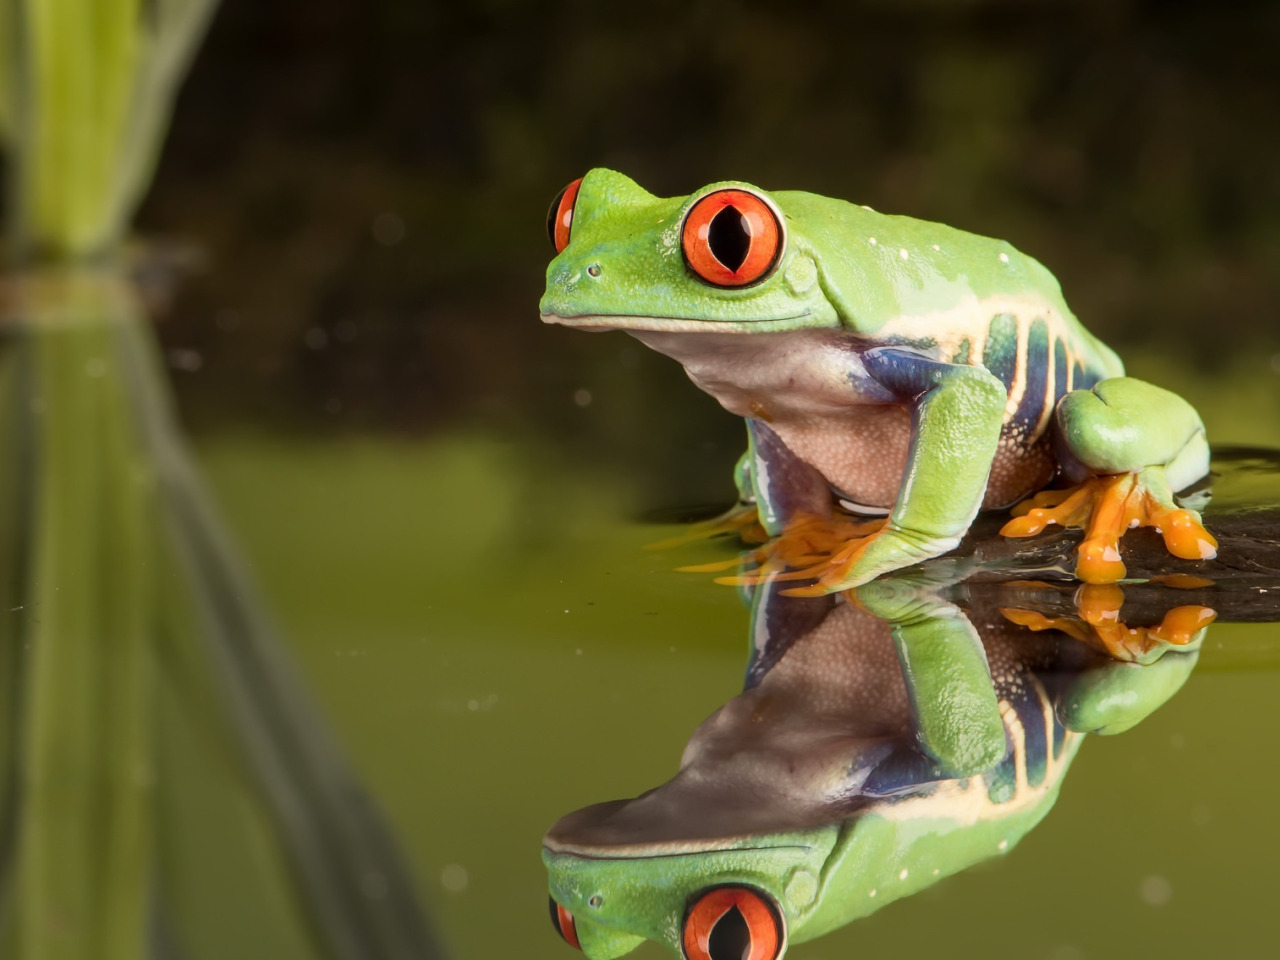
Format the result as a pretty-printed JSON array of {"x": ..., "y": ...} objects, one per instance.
[
  {"x": 554, "y": 214},
  {"x": 729, "y": 237},
  {"x": 731, "y": 937},
  {"x": 555, "y": 917}
]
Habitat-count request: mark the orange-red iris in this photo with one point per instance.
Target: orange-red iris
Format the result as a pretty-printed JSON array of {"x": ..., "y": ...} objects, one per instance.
[
  {"x": 564, "y": 925},
  {"x": 560, "y": 216},
  {"x": 763, "y": 933},
  {"x": 731, "y": 238}
]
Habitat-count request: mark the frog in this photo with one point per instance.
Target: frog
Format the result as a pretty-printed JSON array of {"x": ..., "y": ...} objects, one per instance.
[
  {"x": 809, "y": 800},
  {"x": 885, "y": 366}
]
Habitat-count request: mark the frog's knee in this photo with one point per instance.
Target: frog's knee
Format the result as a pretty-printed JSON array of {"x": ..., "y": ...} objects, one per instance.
[{"x": 1124, "y": 424}]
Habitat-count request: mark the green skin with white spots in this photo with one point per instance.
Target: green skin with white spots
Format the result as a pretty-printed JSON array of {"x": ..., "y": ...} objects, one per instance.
[
  {"x": 628, "y": 871},
  {"x": 864, "y": 312}
]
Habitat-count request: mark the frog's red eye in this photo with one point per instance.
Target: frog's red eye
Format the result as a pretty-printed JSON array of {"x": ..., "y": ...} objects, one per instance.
[
  {"x": 560, "y": 216},
  {"x": 733, "y": 923},
  {"x": 561, "y": 918},
  {"x": 731, "y": 238}
]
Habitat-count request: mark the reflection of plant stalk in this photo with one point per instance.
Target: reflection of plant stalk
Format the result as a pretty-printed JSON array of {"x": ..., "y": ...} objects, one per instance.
[
  {"x": 78, "y": 666},
  {"x": 158, "y": 749},
  {"x": 86, "y": 88}
]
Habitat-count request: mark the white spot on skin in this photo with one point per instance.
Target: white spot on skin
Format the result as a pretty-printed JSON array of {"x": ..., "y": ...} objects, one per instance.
[
  {"x": 1004, "y": 258},
  {"x": 872, "y": 893},
  {"x": 865, "y": 207},
  {"x": 902, "y": 875},
  {"x": 938, "y": 248},
  {"x": 903, "y": 254},
  {"x": 871, "y": 240},
  {"x": 936, "y": 871},
  {"x": 1002, "y": 845}
]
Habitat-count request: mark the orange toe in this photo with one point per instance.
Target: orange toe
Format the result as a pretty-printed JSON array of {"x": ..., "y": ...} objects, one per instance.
[{"x": 1107, "y": 507}]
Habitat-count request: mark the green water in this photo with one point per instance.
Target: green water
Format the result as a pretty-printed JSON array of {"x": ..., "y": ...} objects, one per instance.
[{"x": 491, "y": 663}]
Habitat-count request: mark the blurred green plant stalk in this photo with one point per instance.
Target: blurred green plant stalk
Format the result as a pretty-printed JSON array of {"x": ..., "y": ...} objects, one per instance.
[{"x": 86, "y": 90}]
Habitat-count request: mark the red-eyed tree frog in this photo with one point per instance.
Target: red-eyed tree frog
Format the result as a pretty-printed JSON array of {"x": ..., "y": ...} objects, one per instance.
[{"x": 885, "y": 366}]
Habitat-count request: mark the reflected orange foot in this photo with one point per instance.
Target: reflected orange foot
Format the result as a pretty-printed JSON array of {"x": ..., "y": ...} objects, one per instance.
[
  {"x": 1099, "y": 625},
  {"x": 821, "y": 548},
  {"x": 1106, "y": 507}
]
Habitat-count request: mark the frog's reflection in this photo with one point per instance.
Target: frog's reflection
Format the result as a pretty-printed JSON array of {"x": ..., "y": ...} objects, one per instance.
[{"x": 871, "y": 754}]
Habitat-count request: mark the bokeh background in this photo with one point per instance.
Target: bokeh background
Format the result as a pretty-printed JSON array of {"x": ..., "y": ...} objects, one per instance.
[
  {"x": 436, "y": 491},
  {"x": 364, "y": 186}
]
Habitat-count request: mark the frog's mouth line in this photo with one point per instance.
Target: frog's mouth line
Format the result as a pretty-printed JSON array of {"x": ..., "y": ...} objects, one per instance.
[{"x": 598, "y": 322}]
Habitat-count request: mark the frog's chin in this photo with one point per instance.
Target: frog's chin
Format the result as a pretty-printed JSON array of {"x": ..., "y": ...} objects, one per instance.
[{"x": 598, "y": 323}]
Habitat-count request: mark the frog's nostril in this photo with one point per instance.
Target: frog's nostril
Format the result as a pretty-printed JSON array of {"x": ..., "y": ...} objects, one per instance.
[{"x": 593, "y": 270}]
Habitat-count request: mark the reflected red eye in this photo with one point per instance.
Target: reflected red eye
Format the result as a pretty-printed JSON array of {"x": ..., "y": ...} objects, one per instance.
[
  {"x": 731, "y": 238},
  {"x": 733, "y": 923},
  {"x": 560, "y": 216},
  {"x": 561, "y": 918}
]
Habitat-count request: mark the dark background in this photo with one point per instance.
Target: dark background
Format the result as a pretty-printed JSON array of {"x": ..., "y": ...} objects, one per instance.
[{"x": 365, "y": 184}]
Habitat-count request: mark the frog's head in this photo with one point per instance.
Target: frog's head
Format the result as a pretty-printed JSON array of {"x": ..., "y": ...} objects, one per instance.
[
  {"x": 727, "y": 258},
  {"x": 701, "y": 899}
]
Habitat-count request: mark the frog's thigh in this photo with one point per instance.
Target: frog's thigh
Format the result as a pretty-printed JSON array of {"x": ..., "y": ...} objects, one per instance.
[{"x": 1123, "y": 425}]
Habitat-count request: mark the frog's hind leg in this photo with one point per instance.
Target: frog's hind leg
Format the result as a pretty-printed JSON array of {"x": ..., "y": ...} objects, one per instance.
[
  {"x": 783, "y": 486},
  {"x": 1129, "y": 445},
  {"x": 778, "y": 495}
]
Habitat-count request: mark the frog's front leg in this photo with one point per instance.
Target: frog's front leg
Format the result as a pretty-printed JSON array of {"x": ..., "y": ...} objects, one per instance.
[
  {"x": 957, "y": 413},
  {"x": 944, "y": 665},
  {"x": 1129, "y": 445}
]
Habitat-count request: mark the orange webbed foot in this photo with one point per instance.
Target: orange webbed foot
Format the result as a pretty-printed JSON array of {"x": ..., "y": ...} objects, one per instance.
[
  {"x": 1106, "y": 507},
  {"x": 808, "y": 548}
]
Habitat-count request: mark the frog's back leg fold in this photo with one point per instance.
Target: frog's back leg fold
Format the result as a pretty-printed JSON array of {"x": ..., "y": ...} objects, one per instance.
[{"x": 1123, "y": 425}]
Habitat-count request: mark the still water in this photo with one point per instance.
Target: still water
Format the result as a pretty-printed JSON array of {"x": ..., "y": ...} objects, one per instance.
[
  {"x": 374, "y": 670},
  {"x": 493, "y": 661}
]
